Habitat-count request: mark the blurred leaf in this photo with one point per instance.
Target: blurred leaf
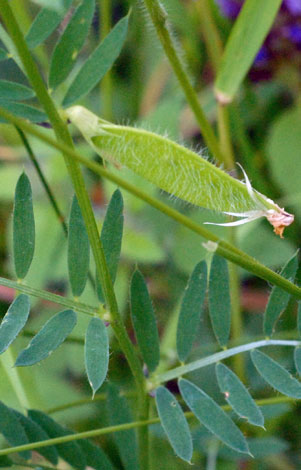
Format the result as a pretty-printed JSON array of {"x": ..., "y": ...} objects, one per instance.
[
  {"x": 96, "y": 353},
  {"x": 191, "y": 309},
  {"x": 3, "y": 54},
  {"x": 299, "y": 318},
  {"x": 78, "y": 250},
  {"x": 275, "y": 375},
  {"x": 95, "y": 456},
  {"x": 246, "y": 38},
  {"x": 260, "y": 448},
  {"x": 99, "y": 62},
  {"x": 174, "y": 423},
  {"x": 69, "y": 451},
  {"x": 35, "y": 433},
  {"x": 23, "y": 227},
  {"x": 45, "y": 23},
  {"x": 258, "y": 240},
  {"x": 212, "y": 416},
  {"x": 283, "y": 144},
  {"x": 13, "y": 430},
  {"x": 297, "y": 358},
  {"x": 22, "y": 110},
  {"x": 14, "y": 321},
  {"x": 119, "y": 413},
  {"x": 238, "y": 396},
  {"x": 219, "y": 299},
  {"x": 15, "y": 91},
  {"x": 49, "y": 338},
  {"x": 111, "y": 237},
  {"x": 144, "y": 321},
  {"x": 5, "y": 461},
  {"x": 278, "y": 299},
  {"x": 70, "y": 43}
]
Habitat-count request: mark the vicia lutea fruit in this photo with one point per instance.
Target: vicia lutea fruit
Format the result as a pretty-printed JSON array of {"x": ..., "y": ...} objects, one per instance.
[{"x": 177, "y": 170}]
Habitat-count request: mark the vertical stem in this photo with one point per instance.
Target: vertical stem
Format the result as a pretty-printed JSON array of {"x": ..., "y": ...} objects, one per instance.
[
  {"x": 159, "y": 19},
  {"x": 64, "y": 137},
  {"x": 210, "y": 32},
  {"x": 225, "y": 141},
  {"x": 106, "y": 88}
]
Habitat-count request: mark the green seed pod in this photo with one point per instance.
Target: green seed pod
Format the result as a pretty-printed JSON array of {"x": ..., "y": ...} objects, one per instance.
[{"x": 177, "y": 170}]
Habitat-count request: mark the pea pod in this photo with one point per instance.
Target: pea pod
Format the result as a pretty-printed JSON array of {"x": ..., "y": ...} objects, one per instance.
[{"x": 177, "y": 170}]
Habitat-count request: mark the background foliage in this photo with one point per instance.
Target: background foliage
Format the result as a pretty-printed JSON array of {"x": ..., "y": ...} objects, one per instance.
[{"x": 162, "y": 273}]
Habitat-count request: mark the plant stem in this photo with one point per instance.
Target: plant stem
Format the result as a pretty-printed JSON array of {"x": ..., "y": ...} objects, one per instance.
[
  {"x": 159, "y": 20},
  {"x": 210, "y": 32},
  {"x": 55, "y": 298},
  {"x": 123, "y": 427},
  {"x": 223, "y": 248},
  {"x": 214, "y": 358},
  {"x": 106, "y": 83},
  {"x": 64, "y": 137}
]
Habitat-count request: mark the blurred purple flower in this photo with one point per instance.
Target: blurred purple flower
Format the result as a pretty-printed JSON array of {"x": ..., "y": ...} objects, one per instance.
[
  {"x": 229, "y": 8},
  {"x": 282, "y": 43},
  {"x": 294, "y": 6}
]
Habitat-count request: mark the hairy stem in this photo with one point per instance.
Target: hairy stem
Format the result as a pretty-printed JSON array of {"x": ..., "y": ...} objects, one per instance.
[{"x": 159, "y": 20}]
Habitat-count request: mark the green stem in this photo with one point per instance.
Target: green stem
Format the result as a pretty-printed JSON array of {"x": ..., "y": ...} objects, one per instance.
[
  {"x": 106, "y": 83},
  {"x": 210, "y": 32},
  {"x": 220, "y": 356},
  {"x": 123, "y": 427},
  {"x": 224, "y": 136},
  {"x": 55, "y": 298},
  {"x": 159, "y": 20},
  {"x": 64, "y": 137},
  {"x": 222, "y": 247}
]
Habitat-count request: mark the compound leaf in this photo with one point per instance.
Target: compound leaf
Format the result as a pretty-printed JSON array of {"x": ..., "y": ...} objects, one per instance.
[
  {"x": 98, "y": 64},
  {"x": 12, "y": 429},
  {"x": 22, "y": 110},
  {"x": 212, "y": 416},
  {"x": 44, "y": 24},
  {"x": 15, "y": 91},
  {"x": 70, "y": 43},
  {"x": 68, "y": 451},
  {"x": 191, "y": 310},
  {"x": 219, "y": 299},
  {"x": 119, "y": 413},
  {"x": 13, "y": 321},
  {"x": 95, "y": 456},
  {"x": 96, "y": 353},
  {"x": 144, "y": 321},
  {"x": 275, "y": 375},
  {"x": 278, "y": 299},
  {"x": 23, "y": 227},
  {"x": 35, "y": 433},
  {"x": 111, "y": 237},
  {"x": 174, "y": 423},
  {"x": 49, "y": 338},
  {"x": 78, "y": 250},
  {"x": 238, "y": 396}
]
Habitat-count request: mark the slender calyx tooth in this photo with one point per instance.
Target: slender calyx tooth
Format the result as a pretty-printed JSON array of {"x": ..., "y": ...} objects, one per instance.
[{"x": 178, "y": 170}]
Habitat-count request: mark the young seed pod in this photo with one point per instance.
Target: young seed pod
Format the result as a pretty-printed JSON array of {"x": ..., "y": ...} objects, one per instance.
[{"x": 177, "y": 170}]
